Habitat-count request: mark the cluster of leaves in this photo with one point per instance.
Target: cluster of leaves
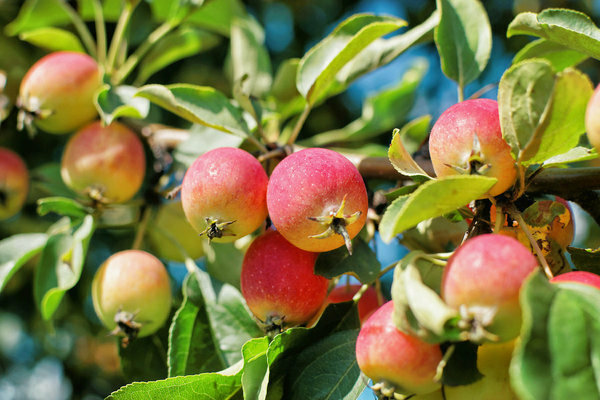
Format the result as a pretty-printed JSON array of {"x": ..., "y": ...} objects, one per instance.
[{"x": 214, "y": 347}]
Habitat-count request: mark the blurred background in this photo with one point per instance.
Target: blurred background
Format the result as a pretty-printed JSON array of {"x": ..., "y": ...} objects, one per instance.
[{"x": 74, "y": 358}]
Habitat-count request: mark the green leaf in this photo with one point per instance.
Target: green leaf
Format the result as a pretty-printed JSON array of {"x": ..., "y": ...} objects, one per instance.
[
  {"x": 559, "y": 56},
  {"x": 327, "y": 370},
  {"x": 524, "y": 95},
  {"x": 363, "y": 263},
  {"x": 144, "y": 358},
  {"x": 320, "y": 65},
  {"x": 184, "y": 42},
  {"x": 62, "y": 206},
  {"x": 402, "y": 161},
  {"x": 16, "y": 250},
  {"x": 192, "y": 348},
  {"x": 463, "y": 38},
  {"x": 36, "y": 14},
  {"x": 249, "y": 57},
  {"x": 208, "y": 386},
  {"x": 382, "y": 51},
  {"x": 198, "y": 104},
  {"x": 418, "y": 308},
  {"x": 53, "y": 39},
  {"x": 461, "y": 368},
  {"x": 565, "y": 121},
  {"x": 60, "y": 266},
  {"x": 576, "y": 154},
  {"x": 224, "y": 262},
  {"x": 218, "y": 15},
  {"x": 255, "y": 375},
  {"x": 285, "y": 347},
  {"x": 432, "y": 199},
  {"x": 230, "y": 321},
  {"x": 414, "y": 133},
  {"x": 114, "y": 102},
  {"x": 200, "y": 140},
  {"x": 569, "y": 28},
  {"x": 46, "y": 179},
  {"x": 557, "y": 356},
  {"x": 381, "y": 112},
  {"x": 585, "y": 259}
]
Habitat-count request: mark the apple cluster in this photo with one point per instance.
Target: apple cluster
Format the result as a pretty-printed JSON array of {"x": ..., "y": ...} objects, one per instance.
[
  {"x": 316, "y": 201},
  {"x": 131, "y": 290},
  {"x": 482, "y": 279}
]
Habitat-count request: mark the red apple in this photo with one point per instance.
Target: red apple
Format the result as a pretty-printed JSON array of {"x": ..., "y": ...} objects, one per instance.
[
  {"x": 317, "y": 199},
  {"x": 395, "y": 361},
  {"x": 131, "y": 293},
  {"x": 279, "y": 283},
  {"x": 592, "y": 119},
  {"x": 224, "y": 194},
  {"x": 106, "y": 163},
  {"x": 583, "y": 277},
  {"x": 57, "y": 92},
  {"x": 14, "y": 183},
  {"x": 466, "y": 139},
  {"x": 483, "y": 279}
]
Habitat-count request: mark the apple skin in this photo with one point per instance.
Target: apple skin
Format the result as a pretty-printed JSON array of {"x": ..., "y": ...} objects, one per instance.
[
  {"x": 386, "y": 354},
  {"x": 109, "y": 159},
  {"x": 133, "y": 281},
  {"x": 63, "y": 84},
  {"x": 279, "y": 283},
  {"x": 583, "y": 277},
  {"x": 313, "y": 183},
  {"x": 225, "y": 184},
  {"x": 367, "y": 304},
  {"x": 592, "y": 119},
  {"x": 171, "y": 220},
  {"x": 485, "y": 275},
  {"x": 452, "y": 137},
  {"x": 14, "y": 183},
  {"x": 493, "y": 361}
]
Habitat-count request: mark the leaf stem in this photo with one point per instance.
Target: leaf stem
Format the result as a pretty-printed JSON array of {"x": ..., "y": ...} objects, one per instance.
[
  {"x": 299, "y": 124},
  {"x": 119, "y": 35},
  {"x": 81, "y": 28},
  {"x": 130, "y": 63},
  {"x": 100, "y": 32},
  {"x": 461, "y": 94},
  {"x": 141, "y": 231}
]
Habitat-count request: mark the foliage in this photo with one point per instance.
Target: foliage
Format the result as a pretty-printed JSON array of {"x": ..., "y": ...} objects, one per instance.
[{"x": 212, "y": 346}]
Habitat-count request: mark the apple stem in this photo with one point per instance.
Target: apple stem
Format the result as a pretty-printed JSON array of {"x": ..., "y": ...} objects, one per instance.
[{"x": 516, "y": 215}]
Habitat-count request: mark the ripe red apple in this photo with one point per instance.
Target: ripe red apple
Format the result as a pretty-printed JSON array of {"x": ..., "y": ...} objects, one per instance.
[
  {"x": 57, "y": 92},
  {"x": 14, "y": 183},
  {"x": 170, "y": 221},
  {"x": 394, "y": 360},
  {"x": 592, "y": 119},
  {"x": 367, "y": 304},
  {"x": 106, "y": 163},
  {"x": 584, "y": 277},
  {"x": 493, "y": 361},
  {"x": 224, "y": 194},
  {"x": 466, "y": 139},
  {"x": 279, "y": 283},
  {"x": 482, "y": 280},
  {"x": 131, "y": 293},
  {"x": 317, "y": 199}
]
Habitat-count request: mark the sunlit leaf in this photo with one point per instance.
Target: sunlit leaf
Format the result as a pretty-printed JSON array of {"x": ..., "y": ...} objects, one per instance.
[
  {"x": 320, "y": 65},
  {"x": 463, "y": 38},
  {"x": 17, "y": 250},
  {"x": 114, "y": 102},
  {"x": 53, "y": 39}
]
